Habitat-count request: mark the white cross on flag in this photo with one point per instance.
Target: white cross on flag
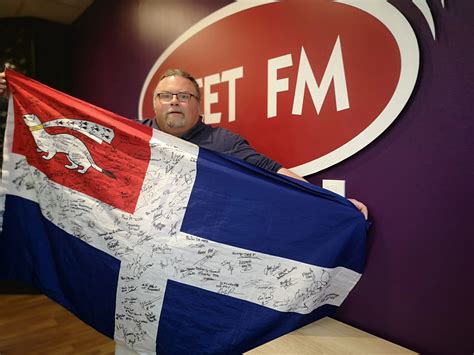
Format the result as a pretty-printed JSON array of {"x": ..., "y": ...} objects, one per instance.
[{"x": 158, "y": 244}]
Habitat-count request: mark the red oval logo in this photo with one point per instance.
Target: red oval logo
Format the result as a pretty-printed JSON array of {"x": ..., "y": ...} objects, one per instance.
[{"x": 307, "y": 83}]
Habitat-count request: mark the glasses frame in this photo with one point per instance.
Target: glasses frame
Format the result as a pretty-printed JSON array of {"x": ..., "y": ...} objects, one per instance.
[{"x": 158, "y": 95}]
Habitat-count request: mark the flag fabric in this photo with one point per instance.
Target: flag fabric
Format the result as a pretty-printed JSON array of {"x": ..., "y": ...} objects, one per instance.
[{"x": 159, "y": 244}]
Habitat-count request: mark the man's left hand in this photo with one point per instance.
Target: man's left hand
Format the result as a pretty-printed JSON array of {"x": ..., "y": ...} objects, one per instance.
[{"x": 361, "y": 207}]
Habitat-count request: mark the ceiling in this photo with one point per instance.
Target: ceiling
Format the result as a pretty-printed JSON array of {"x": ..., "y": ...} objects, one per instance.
[{"x": 61, "y": 11}]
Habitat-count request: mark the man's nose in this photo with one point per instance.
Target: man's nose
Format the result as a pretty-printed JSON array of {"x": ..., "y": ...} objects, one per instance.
[{"x": 174, "y": 100}]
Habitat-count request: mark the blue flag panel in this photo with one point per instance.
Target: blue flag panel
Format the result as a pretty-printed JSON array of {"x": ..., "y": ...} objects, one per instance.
[
  {"x": 81, "y": 278},
  {"x": 235, "y": 203}
]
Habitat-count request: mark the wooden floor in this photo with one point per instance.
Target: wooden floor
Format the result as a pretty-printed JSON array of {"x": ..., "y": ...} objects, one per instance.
[{"x": 33, "y": 324}]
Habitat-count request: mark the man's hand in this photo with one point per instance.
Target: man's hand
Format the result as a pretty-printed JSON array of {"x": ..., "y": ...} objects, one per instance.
[
  {"x": 361, "y": 207},
  {"x": 286, "y": 172},
  {"x": 3, "y": 86}
]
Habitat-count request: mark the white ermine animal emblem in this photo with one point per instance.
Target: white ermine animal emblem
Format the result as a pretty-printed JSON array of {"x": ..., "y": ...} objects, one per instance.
[{"x": 75, "y": 150}]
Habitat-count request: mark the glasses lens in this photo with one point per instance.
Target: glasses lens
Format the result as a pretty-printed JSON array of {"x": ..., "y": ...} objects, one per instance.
[
  {"x": 184, "y": 96},
  {"x": 165, "y": 96}
]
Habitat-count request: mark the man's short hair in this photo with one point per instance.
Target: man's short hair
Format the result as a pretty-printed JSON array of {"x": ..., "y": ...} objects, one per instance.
[{"x": 182, "y": 73}]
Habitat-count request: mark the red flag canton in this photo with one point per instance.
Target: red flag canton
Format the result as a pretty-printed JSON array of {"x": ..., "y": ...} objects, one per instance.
[{"x": 75, "y": 143}]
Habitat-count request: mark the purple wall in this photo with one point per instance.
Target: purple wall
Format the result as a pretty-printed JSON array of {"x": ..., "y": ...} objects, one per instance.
[{"x": 416, "y": 178}]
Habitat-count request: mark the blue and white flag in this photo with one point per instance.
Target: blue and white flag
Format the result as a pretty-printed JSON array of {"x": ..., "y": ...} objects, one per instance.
[{"x": 159, "y": 244}]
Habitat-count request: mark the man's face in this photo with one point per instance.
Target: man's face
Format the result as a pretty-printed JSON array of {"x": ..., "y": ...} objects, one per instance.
[{"x": 176, "y": 117}]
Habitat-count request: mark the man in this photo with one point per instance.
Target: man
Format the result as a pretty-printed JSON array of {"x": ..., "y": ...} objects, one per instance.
[{"x": 177, "y": 106}]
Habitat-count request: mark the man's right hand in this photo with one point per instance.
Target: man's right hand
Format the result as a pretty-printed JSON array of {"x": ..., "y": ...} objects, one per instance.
[{"x": 3, "y": 86}]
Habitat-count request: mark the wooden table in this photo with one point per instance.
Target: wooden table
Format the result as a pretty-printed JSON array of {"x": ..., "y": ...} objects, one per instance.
[{"x": 328, "y": 336}]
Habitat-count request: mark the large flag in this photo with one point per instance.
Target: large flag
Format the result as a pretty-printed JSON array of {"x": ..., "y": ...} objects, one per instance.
[{"x": 159, "y": 244}]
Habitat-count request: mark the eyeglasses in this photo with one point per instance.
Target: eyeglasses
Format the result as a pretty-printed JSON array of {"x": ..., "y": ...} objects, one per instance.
[{"x": 166, "y": 97}]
